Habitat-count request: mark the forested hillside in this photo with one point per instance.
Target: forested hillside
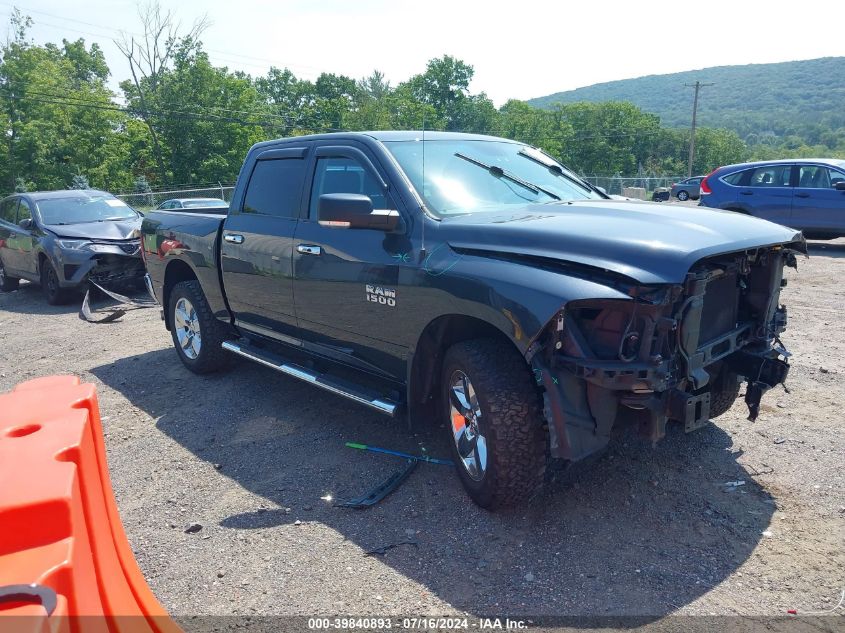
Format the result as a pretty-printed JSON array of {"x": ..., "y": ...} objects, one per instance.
[{"x": 785, "y": 106}]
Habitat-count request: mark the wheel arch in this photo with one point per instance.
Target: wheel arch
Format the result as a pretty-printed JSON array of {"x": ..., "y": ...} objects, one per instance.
[
  {"x": 42, "y": 257},
  {"x": 177, "y": 270},
  {"x": 427, "y": 359}
]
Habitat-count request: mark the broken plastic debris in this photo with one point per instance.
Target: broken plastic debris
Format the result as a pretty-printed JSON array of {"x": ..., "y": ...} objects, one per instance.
[{"x": 734, "y": 484}]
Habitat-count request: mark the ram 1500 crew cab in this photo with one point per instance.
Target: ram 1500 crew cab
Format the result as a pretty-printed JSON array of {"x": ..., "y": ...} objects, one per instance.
[{"x": 477, "y": 283}]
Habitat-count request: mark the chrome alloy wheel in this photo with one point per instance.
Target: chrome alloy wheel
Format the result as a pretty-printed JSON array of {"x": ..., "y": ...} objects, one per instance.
[
  {"x": 465, "y": 415},
  {"x": 187, "y": 325}
]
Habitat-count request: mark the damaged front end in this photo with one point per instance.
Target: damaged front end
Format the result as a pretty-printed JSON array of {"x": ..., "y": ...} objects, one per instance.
[
  {"x": 109, "y": 263},
  {"x": 669, "y": 352}
]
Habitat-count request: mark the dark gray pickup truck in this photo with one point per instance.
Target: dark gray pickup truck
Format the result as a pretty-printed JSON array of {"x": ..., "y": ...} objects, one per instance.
[{"x": 476, "y": 283}]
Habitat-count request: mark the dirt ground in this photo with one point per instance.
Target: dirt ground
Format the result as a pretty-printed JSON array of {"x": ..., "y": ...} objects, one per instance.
[{"x": 252, "y": 456}]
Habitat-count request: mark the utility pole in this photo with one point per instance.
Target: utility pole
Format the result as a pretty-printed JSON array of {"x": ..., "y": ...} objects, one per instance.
[{"x": 697, "y": 85}]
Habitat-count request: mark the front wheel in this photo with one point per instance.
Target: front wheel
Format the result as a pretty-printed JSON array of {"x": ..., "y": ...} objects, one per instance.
[
  {"x": 196, "y": 333},
  {"x": 683, "y": 196},
  {"x": 7, "y": 284},
  {"x": 723, "y": 394},
  {"x": 492, "y": 411},
  {"x": 53, "y": 292}
]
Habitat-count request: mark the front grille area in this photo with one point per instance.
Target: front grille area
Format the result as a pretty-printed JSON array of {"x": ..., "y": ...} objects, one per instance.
[
  {"x": 115, "y": 269},
  {"x": 721, "y": 305}
]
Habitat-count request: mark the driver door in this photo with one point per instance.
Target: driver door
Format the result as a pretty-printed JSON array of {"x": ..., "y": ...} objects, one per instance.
[{"x": 348, "y": 300}]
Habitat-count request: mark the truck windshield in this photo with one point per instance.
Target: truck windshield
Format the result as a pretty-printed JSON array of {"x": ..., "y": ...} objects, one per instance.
[
  {"x": 474, "y": 176},
  {"x": 79, "y": 210}
]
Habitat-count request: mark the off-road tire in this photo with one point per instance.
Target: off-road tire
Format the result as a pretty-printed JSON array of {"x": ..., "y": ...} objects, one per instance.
[
  {"x": 7, "y": 284},
  {"x": 724, "y": 393},
  {"x": 212, "y": 357},
  {"x": 683, "y": 196},
  {"x": 53, "y": 292},
  {"x": 511, "y": 421}
]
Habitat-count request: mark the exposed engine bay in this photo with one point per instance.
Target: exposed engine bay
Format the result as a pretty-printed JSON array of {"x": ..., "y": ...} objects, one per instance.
[{"x": 670, "y": 352}]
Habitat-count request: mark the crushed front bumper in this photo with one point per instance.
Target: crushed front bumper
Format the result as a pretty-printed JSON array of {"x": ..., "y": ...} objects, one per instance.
[{"x": 110, "y": 264}]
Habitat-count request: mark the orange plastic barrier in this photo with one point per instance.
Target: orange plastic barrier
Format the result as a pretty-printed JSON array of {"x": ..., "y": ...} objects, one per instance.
[{"x": 59, "y": 526}]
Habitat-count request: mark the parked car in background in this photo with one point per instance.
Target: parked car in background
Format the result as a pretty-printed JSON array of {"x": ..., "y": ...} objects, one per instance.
[
  {"x": 807, "y": 194},
  {"x": 687, "y": 188},
  {"x": 491, "y": 292},
  {"x": 61, "y": 239},
  {"x": 192, "y": 203}
]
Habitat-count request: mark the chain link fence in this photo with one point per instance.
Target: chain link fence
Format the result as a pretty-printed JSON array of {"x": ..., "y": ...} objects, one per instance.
[
  {"x": 616, "y": 184},
  {"x": 144, "y": 201}
]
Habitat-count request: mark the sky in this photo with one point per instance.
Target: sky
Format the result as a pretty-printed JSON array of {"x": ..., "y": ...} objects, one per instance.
[{"x": 519, "y": 49}]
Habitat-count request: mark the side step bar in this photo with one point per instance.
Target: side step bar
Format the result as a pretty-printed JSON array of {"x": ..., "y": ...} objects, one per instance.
[{"x": 382, "y": 405}]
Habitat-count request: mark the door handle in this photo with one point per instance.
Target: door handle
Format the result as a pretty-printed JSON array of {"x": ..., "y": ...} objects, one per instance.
[
  {"x": 233, "y": 238},
  {"x": 802, "y": 195},
  {"x": 308, "y": 249},
  {"x": 746, "y": 193}
]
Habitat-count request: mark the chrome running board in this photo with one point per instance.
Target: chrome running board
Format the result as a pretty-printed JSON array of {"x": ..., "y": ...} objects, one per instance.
[{"x": 324, "y": 381}]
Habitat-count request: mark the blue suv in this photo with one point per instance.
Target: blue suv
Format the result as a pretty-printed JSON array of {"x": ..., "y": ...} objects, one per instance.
[{"x": 806, "y": 194}]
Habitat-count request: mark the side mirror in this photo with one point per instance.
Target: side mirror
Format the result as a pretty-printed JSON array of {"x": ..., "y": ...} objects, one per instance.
[
  {"x": 840, "y": 185},
  {"x": 602, "y": 190},
  {"x": 25, "y": 224},
  {"x": 354, "y": 211}
]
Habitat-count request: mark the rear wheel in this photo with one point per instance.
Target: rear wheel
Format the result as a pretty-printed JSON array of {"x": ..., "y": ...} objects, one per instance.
[
  {"x": 683, "y": 196},
  {"x": 7, "y": 284},
  {"x": 53, "y": 292},
  {"x": 493, "y": 417},
  {"x": 196, "y": 333}
]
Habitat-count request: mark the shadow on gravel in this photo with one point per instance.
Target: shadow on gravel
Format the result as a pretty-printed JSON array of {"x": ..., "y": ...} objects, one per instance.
[
  {"x": 641, "y": 531},
  {"x": 29, "y": 299},
  {"x": 827, "y": 249}
]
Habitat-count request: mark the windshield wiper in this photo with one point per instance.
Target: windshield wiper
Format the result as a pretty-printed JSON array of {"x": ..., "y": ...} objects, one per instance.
[
  {"x": 498, "y": 172},
  {"x": 555, "y": 169}
]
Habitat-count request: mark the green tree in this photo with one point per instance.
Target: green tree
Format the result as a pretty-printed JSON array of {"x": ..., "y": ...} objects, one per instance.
[
  {"x": 58, "y": 112},
  {"x": 445, "y": 87},
  {"x": 149, "y": 57},
  {"x": 79, "y": 182},
  {"x": 209, "y": 117},
  {"x": 717, "y": 147}
]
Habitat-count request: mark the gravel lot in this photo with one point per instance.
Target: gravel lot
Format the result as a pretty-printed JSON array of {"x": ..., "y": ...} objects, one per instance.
[{"x": 644, "y": 530}]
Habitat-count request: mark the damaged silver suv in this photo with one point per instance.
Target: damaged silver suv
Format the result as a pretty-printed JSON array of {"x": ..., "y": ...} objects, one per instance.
[{"x": 62, "y": 239}]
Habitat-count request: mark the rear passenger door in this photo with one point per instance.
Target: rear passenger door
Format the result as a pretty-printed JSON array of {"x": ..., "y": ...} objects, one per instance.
[
  {"x": 817, "y": 204},
  {"x": 257, "y": 243},
  {"x": 767, "y": 193}
]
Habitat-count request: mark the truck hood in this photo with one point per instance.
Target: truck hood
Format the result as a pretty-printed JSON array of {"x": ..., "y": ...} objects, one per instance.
[
  {"x": 650, "y": 243},
  {"x": 108, "y": 230}
]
